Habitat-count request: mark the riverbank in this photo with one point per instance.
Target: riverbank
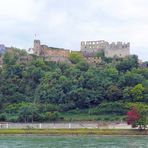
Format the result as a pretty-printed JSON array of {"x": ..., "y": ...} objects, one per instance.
[{"x": 74, "y": 131}]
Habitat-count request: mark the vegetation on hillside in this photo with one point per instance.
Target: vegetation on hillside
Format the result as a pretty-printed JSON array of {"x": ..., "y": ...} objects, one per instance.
[{"x": 45, "y": 91}]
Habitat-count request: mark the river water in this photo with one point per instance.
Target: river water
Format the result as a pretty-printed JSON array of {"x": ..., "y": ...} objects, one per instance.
[{"x": 73, "y": 141}]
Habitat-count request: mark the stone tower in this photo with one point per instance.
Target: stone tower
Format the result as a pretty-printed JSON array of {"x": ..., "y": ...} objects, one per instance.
[{"x": 37, "y": 47}]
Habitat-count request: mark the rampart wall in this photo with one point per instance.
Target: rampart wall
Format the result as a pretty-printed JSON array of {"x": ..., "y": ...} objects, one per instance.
[{"x": 90, "y": 48}]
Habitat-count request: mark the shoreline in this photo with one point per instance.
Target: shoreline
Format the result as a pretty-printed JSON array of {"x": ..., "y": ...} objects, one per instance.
[{"x": 60, "y": 132}]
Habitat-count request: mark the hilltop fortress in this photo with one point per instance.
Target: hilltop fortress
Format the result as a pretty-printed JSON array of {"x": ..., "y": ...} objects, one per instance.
[
  {"x": 50, "y": 53},
  {"x": 89, "y": 49}
]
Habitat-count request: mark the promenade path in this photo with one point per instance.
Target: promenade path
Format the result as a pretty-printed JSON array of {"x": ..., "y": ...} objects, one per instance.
[{"x": 65, "y": 125}]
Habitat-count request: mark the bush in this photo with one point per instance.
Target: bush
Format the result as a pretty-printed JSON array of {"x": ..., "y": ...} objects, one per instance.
[
  {"x": 107, "y": 118},
  {"x": 13, "y": 118},
  {"x": 67, "y": 107},
  {"x": 99, "y": 118},
  {"x": 49, "y": 108},
  {"x": 3, "y": 116},
  {"x": 75, "y": 57},
  {"x": 55, "y": 116},
  {"x": 115, "y": 108}
]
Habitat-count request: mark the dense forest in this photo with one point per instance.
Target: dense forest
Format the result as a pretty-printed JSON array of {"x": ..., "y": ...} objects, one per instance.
[{"x": 43, "y": 91}]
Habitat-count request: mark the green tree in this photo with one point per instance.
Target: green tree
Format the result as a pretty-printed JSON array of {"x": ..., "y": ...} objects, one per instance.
[
  {"x": 137, "y": 92},
  {"x": 128, "y": 63},
  {"x": 75, "y": 57},
  {"x": 28, "y": 112},
  {"x": 130, "y": 79},
  {"x": 114, "y": 93},
  {"x": 142, "y": 111}
]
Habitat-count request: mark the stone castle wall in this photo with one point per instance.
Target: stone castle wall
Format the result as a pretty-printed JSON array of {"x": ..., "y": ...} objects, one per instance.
[
  {"x": 93, "y": 45},
  {"x": 117, "y": 52},
  {"x": 57, "y": 52},
  {"x": 50, "y": 53},
  {"x": 90, "y": 48}
]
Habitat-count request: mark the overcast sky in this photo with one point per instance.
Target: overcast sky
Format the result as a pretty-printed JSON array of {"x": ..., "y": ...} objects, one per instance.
[{"x": 65, "y": 23}]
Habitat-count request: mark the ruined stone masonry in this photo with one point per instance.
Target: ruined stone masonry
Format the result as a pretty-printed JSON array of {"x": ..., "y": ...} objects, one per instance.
[
  {"x": 91, "y": 48},
  {"x": 50, "y": 53}
]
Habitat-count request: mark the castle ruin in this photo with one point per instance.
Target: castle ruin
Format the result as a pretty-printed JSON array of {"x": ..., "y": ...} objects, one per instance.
[
  {"x": 91, "y": 48},
  {"x": 50, "y": 53}
]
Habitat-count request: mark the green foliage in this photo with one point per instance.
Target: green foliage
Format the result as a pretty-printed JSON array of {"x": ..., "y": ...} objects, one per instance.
[
  {"x": 101, "y": 54},
  {"x": 75, "y": 57},
  {"x": 137, "y": 92},
  {"x": 118, "y": 108},
  {"x": 13, "y": 118},
  {"x": 127, "y": 64},
  {"x": 3, "y": 117},
  {"x": 130, "y": 78},
  {"x": 42, "y": 90},
  {"x": 54, "y": 116}
]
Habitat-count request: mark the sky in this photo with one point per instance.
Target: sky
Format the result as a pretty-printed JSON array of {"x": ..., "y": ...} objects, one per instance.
[{"x": 65, "y": 23}]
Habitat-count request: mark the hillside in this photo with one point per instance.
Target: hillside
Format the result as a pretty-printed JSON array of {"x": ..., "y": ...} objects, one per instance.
[{"x": 39, "y": 90}]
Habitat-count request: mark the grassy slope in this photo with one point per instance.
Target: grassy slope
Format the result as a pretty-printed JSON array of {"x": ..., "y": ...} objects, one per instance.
[
  {"x": 87, "y": 117},
  {"x": 74, "y": 131}
]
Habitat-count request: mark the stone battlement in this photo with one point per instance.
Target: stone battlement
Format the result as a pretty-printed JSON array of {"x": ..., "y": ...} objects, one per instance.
[
  {"x": 119, "y": 45},
  {"x": 102, "y": 43},
  {"x": 120, "y": 49}
]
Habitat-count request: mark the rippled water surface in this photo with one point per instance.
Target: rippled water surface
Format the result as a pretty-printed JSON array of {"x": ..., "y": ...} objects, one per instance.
[{"x": 73, "y": 141}]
